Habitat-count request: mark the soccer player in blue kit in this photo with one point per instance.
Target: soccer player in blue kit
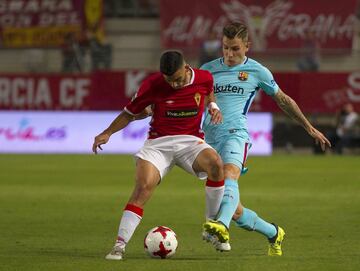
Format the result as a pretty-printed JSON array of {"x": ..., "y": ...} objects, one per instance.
[{"x": 237, "y": 80}]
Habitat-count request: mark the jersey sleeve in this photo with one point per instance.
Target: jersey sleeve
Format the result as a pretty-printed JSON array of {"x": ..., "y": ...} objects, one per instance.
[
  {"x": 205, "y": 67},
  {"x": 267, "y": 82},
  {"x": 141, "y": 99},
  {"x": 209, "y": 83}
]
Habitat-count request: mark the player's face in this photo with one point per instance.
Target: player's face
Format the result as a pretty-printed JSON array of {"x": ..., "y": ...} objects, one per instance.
[
  {"x": 234, "y": 50},
  {"x": 180, "y": 78}
]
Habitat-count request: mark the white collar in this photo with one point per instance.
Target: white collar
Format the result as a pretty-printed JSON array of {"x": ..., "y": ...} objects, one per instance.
[{"x": 192, "y": 78}]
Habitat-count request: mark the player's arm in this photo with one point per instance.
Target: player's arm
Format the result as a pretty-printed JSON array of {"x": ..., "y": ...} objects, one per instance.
[
  {"x": 213, "y": 108},
  {"x": 120, "y": 122},
  {"x": 210, "y": 102},
  {"x": 144, "y": 114},
  {"x": 289, "y": 106},
  {"x": 135, "y": 109}
]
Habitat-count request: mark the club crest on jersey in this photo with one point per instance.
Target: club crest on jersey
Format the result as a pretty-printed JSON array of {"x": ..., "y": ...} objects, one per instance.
[
  {"x": 197, "y": 98},
  {"x": 243, "y": 76}
]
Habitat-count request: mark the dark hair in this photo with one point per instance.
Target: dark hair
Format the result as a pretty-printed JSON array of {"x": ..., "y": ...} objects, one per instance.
[
  {"x": 236, "y": 29},
  {"x": 170, "y": 62}
]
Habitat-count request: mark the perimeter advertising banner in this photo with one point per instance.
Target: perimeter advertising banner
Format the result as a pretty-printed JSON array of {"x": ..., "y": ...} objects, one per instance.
[
  {"x": 314, "y": 92},
  {"x": 45, "y": 23},
  {"x": 73, "y": 132},
  {"x": 272, "y": 24}
]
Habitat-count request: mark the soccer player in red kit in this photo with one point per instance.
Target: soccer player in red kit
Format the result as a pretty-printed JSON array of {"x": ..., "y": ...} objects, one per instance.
[{"x": 177, "y": 96}]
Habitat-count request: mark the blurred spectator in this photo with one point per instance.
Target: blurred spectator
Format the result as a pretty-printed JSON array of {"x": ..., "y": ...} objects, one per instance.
[
  {"x": 100, "y": 54},
  {"x": 210, "y": 48},
  {"x": 119, "y": 8},
  {"x": 73, "y": 54},
  {"x": 310, "y": 54},
  {"x": 131, "y": 8},
  {"x": 34, "y": 60},
  {"x": 148, "y": 8},
  {"x": 346, "y": 130}
]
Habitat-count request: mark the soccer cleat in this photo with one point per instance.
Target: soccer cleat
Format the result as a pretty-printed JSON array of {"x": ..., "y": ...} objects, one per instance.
[
  {"x": 275, "y": 242},
  {"x": 244, "y": 170},
  {"x": 207, "y": 237},
  {"x": 222, "y": 247},
  {"x": 217, "y": 229},
  {"x": 116, "y": 253}
]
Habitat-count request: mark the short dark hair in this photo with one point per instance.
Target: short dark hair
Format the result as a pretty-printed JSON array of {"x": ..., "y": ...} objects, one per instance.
[
  {"x": 170, "y": 62},
  {"x": 236, "y": 30}
]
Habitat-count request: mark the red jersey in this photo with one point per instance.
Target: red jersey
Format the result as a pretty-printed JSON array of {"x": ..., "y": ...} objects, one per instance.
[{"x": 175, "y": 111}]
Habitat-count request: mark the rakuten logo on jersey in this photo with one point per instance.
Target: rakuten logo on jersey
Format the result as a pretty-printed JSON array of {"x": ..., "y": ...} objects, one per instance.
[{"x": 228, "y": 89}]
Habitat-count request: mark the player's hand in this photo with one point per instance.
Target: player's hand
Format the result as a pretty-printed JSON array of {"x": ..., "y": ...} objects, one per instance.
[
  {"x": 100, "y": 139},
  {"x": 216, "y": 116},
  {"x": 319, "y": 138}
]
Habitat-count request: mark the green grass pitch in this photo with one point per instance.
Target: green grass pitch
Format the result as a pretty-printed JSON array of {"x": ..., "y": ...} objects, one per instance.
[{"x": 61, "y": 212}]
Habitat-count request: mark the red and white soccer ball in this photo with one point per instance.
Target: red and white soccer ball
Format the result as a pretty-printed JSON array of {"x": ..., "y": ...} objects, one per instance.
[{"x": 160, "y": 242}]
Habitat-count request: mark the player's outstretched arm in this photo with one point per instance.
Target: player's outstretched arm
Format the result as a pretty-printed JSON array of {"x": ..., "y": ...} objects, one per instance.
[
  {"x": 121, "y": 121},
  {"x": 144, "y": 114},
  {"x": 289, "y": 106}
]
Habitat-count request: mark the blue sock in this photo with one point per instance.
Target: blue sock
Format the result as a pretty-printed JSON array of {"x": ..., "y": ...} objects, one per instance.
[
  {"x": 250, "y": 221},
  {"x": 229, "y": 202}
]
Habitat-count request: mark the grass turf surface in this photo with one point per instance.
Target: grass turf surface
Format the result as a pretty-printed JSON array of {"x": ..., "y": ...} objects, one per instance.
[{"x": 61, "y": 212}]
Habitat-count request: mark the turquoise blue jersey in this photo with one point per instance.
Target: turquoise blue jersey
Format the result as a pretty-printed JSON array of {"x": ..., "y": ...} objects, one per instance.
[{"x": 235, "y": 89}]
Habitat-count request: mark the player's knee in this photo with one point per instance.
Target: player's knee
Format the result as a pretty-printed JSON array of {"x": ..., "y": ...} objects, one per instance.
[
  {"x": 247, "y": 220},
  {"x": 210, "y": 162},
  {"x": 144, "y": 186},
  {"x": 238, "y": 213},
  {"x": 141, "y": 194},
  {"x": 215, "y": 167}
]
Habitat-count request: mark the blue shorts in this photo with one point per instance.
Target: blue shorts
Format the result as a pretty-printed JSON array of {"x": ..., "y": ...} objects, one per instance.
[{"x": 233, "y": 150}]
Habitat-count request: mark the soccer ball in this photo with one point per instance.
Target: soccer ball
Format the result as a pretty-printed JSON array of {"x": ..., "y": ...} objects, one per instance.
[{"x": 160, "y": 242}]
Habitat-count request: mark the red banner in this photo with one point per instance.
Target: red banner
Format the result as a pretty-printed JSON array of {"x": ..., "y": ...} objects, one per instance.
[
  {"x": 98, "y": 91},
  {"x": 272, "y": 24},
  {"x": 314, "y": 92},
  {"x": 44, "y": 23}
]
